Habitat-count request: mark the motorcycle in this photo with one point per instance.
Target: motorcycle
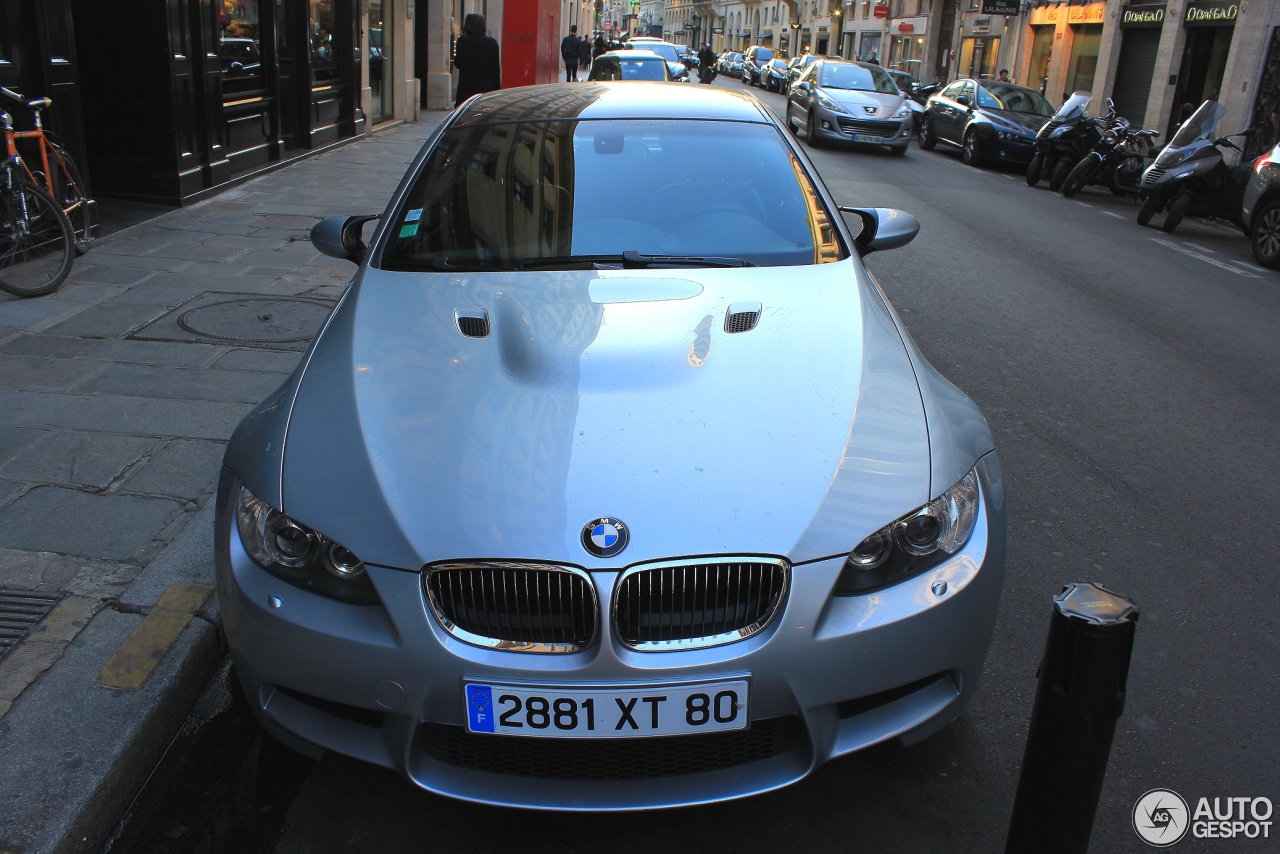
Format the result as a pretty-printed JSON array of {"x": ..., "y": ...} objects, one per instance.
[
  {"x": 1190, "y": 176},
  {"x": 1116, "y": 161},
  {"x": 706, "y": 73},
  {"x": 1062, "y": 141}
]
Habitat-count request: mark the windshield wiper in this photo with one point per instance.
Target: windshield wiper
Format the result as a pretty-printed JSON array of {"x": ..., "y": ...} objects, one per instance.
[{"x": 631, "y": 260}]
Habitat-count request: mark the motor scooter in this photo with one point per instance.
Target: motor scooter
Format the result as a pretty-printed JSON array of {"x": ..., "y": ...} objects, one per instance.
[
  {"x": 1190, "y": 176},
  {"x": 1062, "y": 141},
  {"x": 1116, "y": 161}
]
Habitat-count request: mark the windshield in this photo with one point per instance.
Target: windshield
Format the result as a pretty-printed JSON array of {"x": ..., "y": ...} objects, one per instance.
[
  {"x": 546, "y": 194},
  {"x": 859, "y": 78},
  {"x": 611, "y": 67},
  {"x": 1073, "y": 107},
  {"x": 1013, "y": 99},
  {"x": 666, "y": 51},
  {"x": 763, "y": 55},
  {"x": 1203, "y": 124}
]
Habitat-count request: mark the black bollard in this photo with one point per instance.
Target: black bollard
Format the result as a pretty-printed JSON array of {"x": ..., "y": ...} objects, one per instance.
[{"x": 1079, "y": 698}]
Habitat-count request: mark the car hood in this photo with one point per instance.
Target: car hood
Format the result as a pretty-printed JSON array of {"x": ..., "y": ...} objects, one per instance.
[
  {"x": 858, "y": 102},
  {"x": 1026, "y": 123},
  {"x": 606, "y": 393}
]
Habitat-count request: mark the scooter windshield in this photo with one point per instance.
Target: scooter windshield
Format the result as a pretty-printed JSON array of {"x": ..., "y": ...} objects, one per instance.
[
  {"x": 1073, "y": 108},
  {"x": 1203, "y": 124}
]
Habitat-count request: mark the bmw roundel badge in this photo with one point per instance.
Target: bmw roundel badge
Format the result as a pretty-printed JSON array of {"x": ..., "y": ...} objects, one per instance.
[{"x": 605, "y": 537}]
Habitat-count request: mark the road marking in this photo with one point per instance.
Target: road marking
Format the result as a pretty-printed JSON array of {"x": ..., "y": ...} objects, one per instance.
[
  {"x": 1205, "y": 258},
  {"x": 1249, "y": 266},
  {"x": 142, "y": 650},
  {"x": 1114, "y": 214}
]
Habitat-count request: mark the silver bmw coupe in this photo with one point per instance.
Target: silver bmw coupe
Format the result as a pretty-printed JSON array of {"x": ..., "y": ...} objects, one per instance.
[{"x": 577, "y": 505}]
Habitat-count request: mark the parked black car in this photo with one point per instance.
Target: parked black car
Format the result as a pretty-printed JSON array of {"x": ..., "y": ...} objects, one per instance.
[
  {"x": 753, "y": 61},
  {"x": 989, "y": 122}
]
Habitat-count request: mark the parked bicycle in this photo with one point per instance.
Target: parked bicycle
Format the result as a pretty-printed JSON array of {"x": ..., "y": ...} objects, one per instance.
[
  {"x": 51, "y": 168},
  {"x": 35, "y": 236}
]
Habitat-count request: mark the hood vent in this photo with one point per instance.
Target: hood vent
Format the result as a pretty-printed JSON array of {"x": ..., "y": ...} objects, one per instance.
[
  {"x": 472, "y": 322},
  {"x": 742, "y": 317}
]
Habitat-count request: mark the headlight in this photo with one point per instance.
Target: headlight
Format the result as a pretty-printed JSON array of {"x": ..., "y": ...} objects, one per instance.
[
  {"x": 916, "y": 542},
  {"x": 295, "y": 553},
  {"x": 1171, "y": 158},
  {"x": 828, "y": 104},
  {"x": 1005, "y": 135},
  {"x": 904, "y": 112}
]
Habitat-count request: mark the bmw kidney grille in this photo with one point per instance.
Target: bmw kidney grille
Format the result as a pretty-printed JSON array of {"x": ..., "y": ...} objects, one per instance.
[{"x": 657, "y": 607}]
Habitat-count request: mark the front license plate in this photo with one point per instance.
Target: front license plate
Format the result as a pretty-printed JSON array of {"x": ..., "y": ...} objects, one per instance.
[
  {"x": 630, "y": 711},
  {"x": 862, "y": 137}
]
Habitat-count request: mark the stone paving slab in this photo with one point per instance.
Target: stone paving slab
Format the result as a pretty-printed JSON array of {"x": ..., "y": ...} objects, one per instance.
[{"x": 110, "y": 449}]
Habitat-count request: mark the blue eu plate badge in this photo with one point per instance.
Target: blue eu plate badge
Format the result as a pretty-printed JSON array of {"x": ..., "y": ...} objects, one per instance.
[{"x": 480, "y": 707}]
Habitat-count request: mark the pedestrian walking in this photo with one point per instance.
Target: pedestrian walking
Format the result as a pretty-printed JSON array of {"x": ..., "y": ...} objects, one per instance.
[
  {"x": 599, "y": 47},
  {"x": 570, "y": 52},
  {"x": 584, "y": 56},
  {"x": 476, "y": 57}
]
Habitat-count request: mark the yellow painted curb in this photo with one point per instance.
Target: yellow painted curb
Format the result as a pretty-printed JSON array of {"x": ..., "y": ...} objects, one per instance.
[{"x": 143, "y": 649}]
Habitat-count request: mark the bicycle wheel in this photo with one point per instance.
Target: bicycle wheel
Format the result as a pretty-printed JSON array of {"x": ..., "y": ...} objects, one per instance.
[
  {"x": 35, "y": 240},
  {"x": 71, "y": 197}
]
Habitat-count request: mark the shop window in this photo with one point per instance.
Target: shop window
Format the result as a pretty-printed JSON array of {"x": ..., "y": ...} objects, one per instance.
[
  {"x": 239, "y": 46},
  {"x": 321, "y": 26},
  {"x": 1084, "y": 57}
]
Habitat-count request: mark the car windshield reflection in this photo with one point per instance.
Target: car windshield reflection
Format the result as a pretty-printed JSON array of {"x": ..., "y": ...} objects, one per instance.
[
  {"x": 1013, "y": 99},
  {"x": 503, "y": 196}
]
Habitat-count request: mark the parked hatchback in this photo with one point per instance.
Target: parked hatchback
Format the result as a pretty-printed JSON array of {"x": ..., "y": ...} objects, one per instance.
[
  {"x": 572, "y": 506},
  {"x": 836, "y": 100},
  {"x": 753, "y": 62}
]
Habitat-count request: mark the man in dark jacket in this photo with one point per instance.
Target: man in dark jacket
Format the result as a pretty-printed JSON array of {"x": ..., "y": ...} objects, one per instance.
[
  {"x": 569, "y": 52},
  {"x": 584, "y": 54}
]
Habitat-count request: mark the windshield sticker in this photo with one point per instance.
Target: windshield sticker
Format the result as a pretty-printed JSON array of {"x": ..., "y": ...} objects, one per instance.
[
  {"x": 408, "y": 230},
  {"x": 413, "y": 215}
]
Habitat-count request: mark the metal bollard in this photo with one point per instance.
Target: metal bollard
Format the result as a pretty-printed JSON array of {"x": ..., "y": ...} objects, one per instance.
[{"x": 1080, "y": 696}]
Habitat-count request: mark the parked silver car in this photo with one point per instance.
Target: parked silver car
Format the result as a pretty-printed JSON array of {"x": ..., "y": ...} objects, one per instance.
[
  {"x": 574, "y": 507},
  {"x": 840, "y": 101}
]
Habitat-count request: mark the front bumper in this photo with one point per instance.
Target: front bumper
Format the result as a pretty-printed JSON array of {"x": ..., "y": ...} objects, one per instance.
[
  {"x": 843, "y": 127},
  {"x": 829, "y": 676}
]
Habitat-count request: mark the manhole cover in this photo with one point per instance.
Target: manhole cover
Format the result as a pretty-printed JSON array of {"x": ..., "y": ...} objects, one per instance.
[
  {"x": 257, "y": 320},
  {"x": 241, "y": 320},
  {"x": 20, "y": 611}
]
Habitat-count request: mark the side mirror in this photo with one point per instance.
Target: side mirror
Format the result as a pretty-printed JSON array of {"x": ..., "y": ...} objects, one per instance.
[
  {"x": 805, "y": 87},
  {"x": 341, "y": 236},
  {"x": 882, "y": 228},
  {"x": 963, "y": 100}
]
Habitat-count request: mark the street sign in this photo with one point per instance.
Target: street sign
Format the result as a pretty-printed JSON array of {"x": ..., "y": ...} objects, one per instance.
[{"x": 999, "y": 7}]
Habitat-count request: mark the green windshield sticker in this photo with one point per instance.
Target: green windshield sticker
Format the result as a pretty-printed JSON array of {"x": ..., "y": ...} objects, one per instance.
[{"x": 408, "y": 230}]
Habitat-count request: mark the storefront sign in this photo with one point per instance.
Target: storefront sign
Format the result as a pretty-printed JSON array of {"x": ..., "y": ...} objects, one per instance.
[
  {"x": 1044, "y": 15},
  {"x": 1142, "y": 16},
  {"x": 1212, "y": 14},
  {"x": 906, "y": 28},
  {"x": 999, "y": 7},
  {"x": 982, "y": 25},
  {"x": 880, "y": 11},
  {"x": 1093, "y": 13}
]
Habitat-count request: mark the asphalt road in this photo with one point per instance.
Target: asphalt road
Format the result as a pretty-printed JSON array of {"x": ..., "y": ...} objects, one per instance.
[{"x": 1130, "y": 378}]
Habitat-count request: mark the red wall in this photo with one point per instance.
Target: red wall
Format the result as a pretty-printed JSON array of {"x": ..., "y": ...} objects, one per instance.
[{"x": 530, "y": 42}]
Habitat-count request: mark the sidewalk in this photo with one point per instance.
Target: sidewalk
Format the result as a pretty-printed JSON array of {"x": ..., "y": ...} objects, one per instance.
[{"x": 118, "y": 393}]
